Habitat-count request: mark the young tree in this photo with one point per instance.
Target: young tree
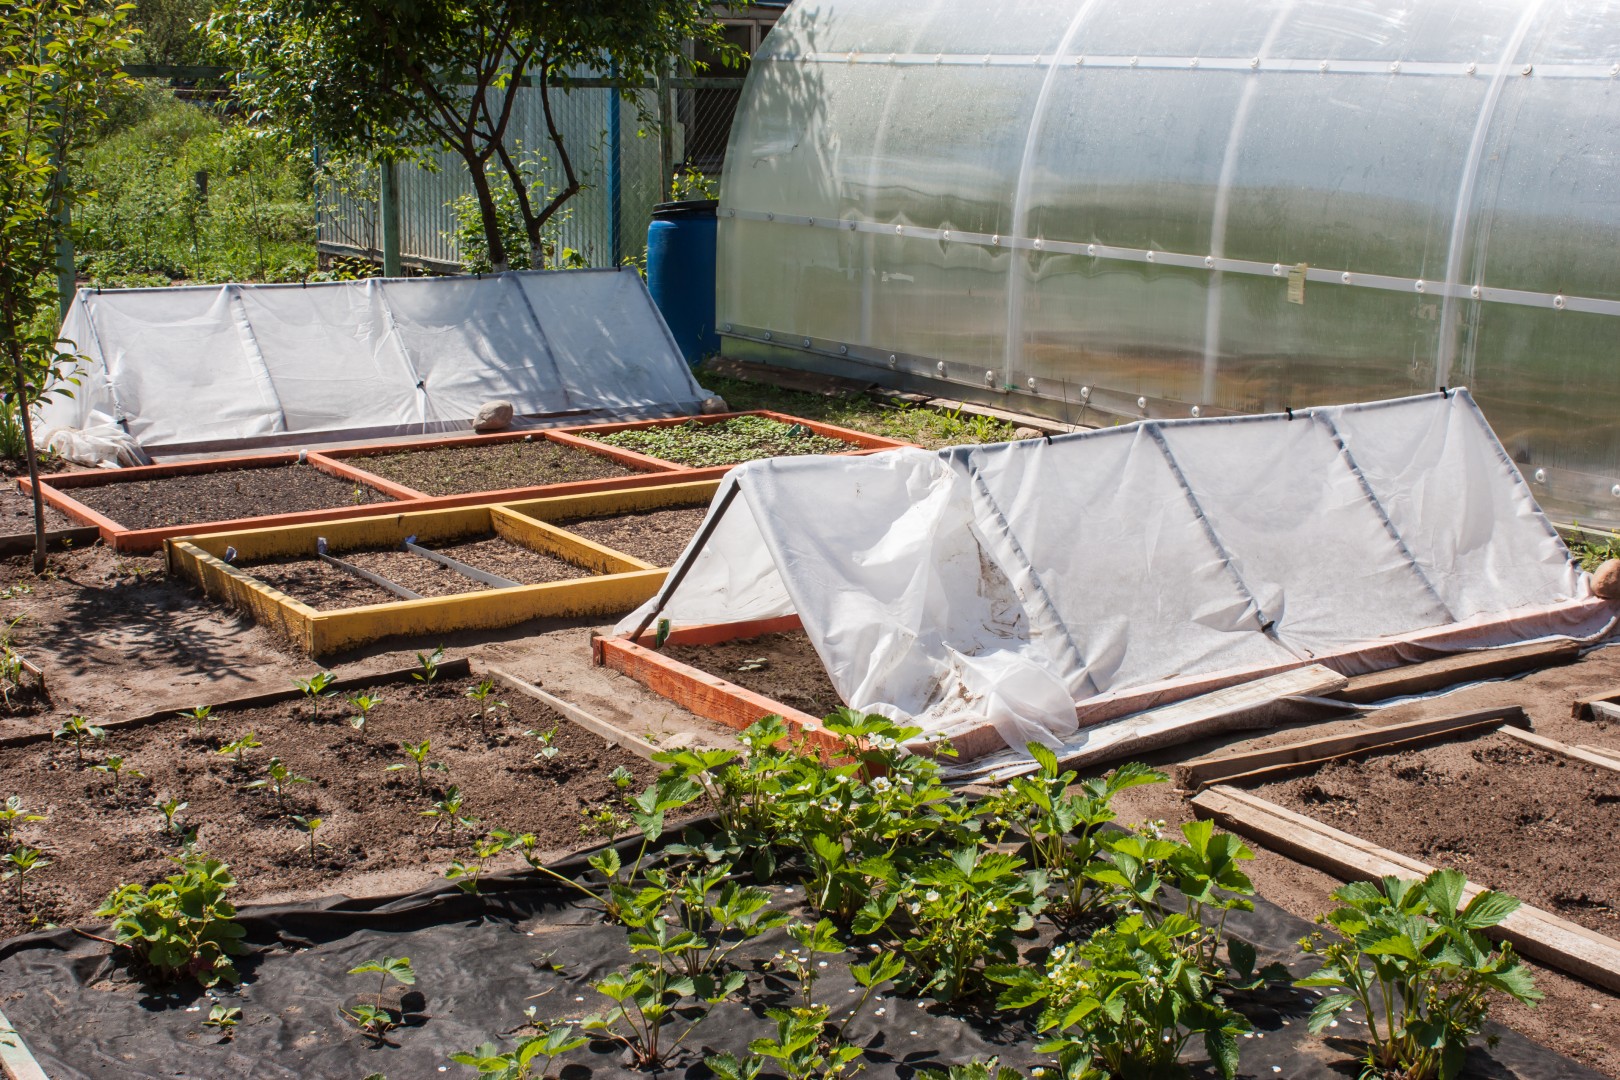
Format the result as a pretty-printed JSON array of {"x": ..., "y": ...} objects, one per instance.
[
  {"x": 395, "y": 79},
  {"x": 59, "y": 65}
]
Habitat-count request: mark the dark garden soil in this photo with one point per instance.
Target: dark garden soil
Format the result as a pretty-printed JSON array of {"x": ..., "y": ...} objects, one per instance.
[
  {"x": 1510, "y": 816},
  {"x": 17, "y": 509},
  {"x": 456, "y": 470},
  {"x": 780, "y": 666},
  {"x": 654, "y": 536},
  {"x": 325, "y": 587},
  {"x": 223, "y": 496},
  {"x": 728, "y": 442},
  {"x": 374, "y": 835}
]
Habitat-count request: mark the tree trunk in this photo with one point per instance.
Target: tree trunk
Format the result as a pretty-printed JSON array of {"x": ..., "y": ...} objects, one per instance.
[
  {"x": 498, "y": 260},
  {"x": 20, "y": 379}
]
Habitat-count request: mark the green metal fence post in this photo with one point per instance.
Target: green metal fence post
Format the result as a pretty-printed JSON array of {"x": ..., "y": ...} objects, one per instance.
[{"x": 388, "y": 211}]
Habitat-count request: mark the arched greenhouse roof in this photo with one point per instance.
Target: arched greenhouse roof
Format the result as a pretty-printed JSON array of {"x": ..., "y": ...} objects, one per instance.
[{"x": 1094, "y": 207}]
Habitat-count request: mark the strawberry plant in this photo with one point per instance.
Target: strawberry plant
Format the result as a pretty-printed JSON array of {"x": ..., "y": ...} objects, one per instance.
[
  {"x": 645, "y": 1000},
  {"x": 20, "y": 862},
  {"x": 315, "y": 688},
  {"x": 417, "y": 754},
  {"x": 374, "y": 1019},
  {"x": 223, "y": 1019},
  {"x": 280, "y": 780},
  {"x": 1125, "y": 1002},
  {"x": 181, "y": 926},
  {"x": 11, "y": 817},
  {"x": 622, "y": 777},
  {"x": 362, "y": 705},
  {"x": 114, "y": 767},
  {"x": 1412, "y": 956},
  {"x": 483, "y": 695},
  {"x": 78, "y": 729},
  {"x": 240, "y": 747},
  {"x": 530, "y": 1059},
  {"x": 465, "y": 873}
]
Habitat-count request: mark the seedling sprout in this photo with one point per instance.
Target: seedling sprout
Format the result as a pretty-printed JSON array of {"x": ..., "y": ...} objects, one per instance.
[
  {"x": 78, "y": 729},
  {"x": 315, "y": 688},
  {"x": 114, "y": 767},
  {"x": 417, "y": 755},
  {"x": 12, "y": 816},
  {"x": 374, "y": 1020},
  {"x": 362, "y": 704}
]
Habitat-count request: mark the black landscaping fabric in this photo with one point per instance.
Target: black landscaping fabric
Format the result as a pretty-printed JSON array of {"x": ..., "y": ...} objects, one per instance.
[{"x": 481, "y": 960}]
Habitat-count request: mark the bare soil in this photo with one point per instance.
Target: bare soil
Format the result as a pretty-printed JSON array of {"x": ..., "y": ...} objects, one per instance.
[
  {"x": 457, "y": 470},
  {"x": 225, "y": 495},
  {"x": 1510, "y": 816},
  {"x": 325, "y": 587},
  {"x": 17, "y": 509},
  {"x": 99, "y": 836},
  {"x": 654, "y": 536},
  {"x": 780, "y": 666}
]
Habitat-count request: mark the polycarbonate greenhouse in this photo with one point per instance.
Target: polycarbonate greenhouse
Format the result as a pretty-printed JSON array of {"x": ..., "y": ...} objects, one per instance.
[{"x": 1091, "y": 209}]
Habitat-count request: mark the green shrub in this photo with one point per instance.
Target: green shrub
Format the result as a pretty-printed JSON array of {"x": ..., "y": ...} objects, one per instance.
[{"x": 181, "y": 926}]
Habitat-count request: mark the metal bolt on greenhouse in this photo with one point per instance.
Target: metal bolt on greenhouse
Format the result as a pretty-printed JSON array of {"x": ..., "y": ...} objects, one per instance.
[{"x": 1093, "y": 209}]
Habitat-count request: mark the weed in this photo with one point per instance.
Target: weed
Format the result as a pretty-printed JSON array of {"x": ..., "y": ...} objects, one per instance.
[
  {"x": 199, "y": 716},
  {"x": 447, "y": 810},
  {"x": 362, "y": 705},
  {"x": 20, "y": 862},
  {"x": 741, "y": 438},
  {"x": 530, "y": 1058},
  {"x": 223, "y": 1019},
  {"x": 316, "y": 687},
  {"x": 11, "y": 817},
  {"x": 310, "y": 825},
  {"x": 417, "y": 754},
  {"x": 622, "y": 777},
  {"x": 181, "y": 926},
  {"x": 374, "y": 1020},
  {"x": 240, "y": 747},
  {"x": 1414, "y": 959},
  {"x": 483, "y": 695},
  {"x": 280, "y": 780},
  {"x": 114, "y": 767},
  {"x": 78, "y": 729},
  {"x": 430, "y": 665}
]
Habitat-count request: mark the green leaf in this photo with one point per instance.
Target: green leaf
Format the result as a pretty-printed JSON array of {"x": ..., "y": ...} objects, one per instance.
[
  {"x": 1327, "y": 1009},
  {"x": 1487, "y": 908}
]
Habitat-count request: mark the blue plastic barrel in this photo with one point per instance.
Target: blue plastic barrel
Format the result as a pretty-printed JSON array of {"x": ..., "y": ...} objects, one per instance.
[{"x": 680, "y": 273}]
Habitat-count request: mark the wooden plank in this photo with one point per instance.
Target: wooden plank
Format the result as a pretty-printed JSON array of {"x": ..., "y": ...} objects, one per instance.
[
  {"x": 1601, "y": 751},
  {"x": 55, "y": 540},
  {"x": 1537, "y": 934},
  {"x": 633, "y": 743},
  {"x": 1248, "y": 705},
  {"x": 1574, "y": 753},
  {"x": 15, "y": 1060},
  {"x": 1216, "y": 767},
  {"x": 1601, "y": 710},
  {"x": 1464, "y": 667}
]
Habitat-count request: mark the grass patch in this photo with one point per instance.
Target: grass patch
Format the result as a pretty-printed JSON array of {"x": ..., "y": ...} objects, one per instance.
[
  {"x": 1593, "y": 551},
  {"x": 742, "y": 438},
  {"x": 926, "y": 427}
]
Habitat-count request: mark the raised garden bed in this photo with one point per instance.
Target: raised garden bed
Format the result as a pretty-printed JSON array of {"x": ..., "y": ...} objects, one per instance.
[
  {"x": 720, "y": 442},
  {"x": 17, "y": 518},
  {"x": 99, "y": 833},
  {"x": 457, "y": 468},
  {"x": 653, "y": 536},
  {"x": 277, "y": 575},
  {"x": 1525, "y": 819},
  {"x": 784, "y": 666},
  {"x": 136, "y": 509}
]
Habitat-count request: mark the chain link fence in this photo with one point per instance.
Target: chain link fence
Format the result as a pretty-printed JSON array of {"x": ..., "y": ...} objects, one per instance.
[{"x": 629, "y": 154}]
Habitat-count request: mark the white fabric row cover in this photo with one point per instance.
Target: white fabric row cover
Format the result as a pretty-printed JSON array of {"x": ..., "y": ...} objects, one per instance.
[
  {"x": 1017, "y": 581},
  {"x": 208, "y": 365}
]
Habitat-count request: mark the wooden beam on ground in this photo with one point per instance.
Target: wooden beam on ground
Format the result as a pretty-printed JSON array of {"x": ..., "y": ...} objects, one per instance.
[
  {"x": 1597, "y": 709},
  {"x": 1574, "y": 753},
  {"x": 597, "y": 726},
  {"x": 1310, "y": 752},
  {"x": 1262, "y": 703},
  {"x": 1464, "y": 667},
  {"x": 16, "y": 1063},
  {"x": 1537, "y": 934}
]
